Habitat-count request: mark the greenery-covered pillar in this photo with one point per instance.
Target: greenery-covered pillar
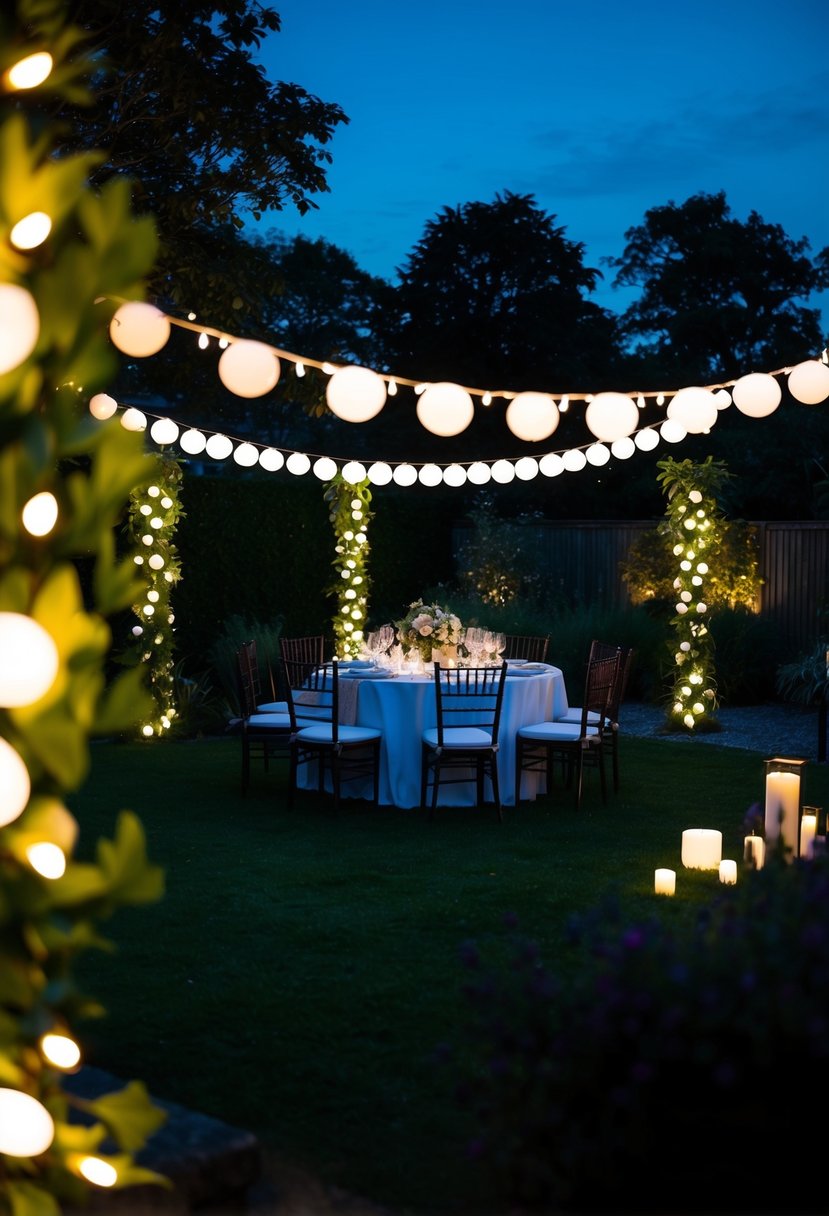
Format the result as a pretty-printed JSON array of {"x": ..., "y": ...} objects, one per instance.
[
  {"x": 693, "y": 527},
  {"x": 349, "y": 509},
  {"x": 154, "y": 513}
]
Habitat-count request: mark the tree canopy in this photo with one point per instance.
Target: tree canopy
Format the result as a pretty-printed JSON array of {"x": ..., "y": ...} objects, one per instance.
[
  {"x": 720, "y": 296},
  {"x": 181, "y": 105}
]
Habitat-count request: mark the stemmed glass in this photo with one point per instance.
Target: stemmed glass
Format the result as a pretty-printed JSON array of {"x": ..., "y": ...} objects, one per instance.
[{"x": 378, "y": 643}]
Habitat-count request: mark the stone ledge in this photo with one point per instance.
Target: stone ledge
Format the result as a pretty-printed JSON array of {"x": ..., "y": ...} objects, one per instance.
[{"x": 213, "y": 1167}]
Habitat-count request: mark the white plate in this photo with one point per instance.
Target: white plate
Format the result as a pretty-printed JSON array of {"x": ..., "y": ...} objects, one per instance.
[
  {"x": 373, "y": 673},
  {"x": 516, "y": 662},
  {"x": 355, "y": 664},
  {"x": 528, "y": 669}
]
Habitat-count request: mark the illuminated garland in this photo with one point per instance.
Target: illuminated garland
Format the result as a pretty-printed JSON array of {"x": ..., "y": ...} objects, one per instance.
[
  {"x": 694, "y": 525},
  {"x": 154, "y": 512},
  {"x": 350, "y": 515}
]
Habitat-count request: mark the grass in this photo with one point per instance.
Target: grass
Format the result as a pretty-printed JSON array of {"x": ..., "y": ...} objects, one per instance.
[{"x": 303, "y": 968}]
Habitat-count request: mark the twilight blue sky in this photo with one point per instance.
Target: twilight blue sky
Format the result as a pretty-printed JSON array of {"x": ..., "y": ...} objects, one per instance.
[{"x": 600, "y": 110}]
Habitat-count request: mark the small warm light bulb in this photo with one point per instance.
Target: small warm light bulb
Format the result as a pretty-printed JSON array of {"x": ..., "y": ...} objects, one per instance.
[
  {"x": 60, "y": 1050},
  {"x": 660, "y": 400},
  {"x": 102, "y": 406},
  {"x": 564, "y": 404},
  {"x": 47, "y": 859},
  {"x": 392, "y": 388},
  {"x": 147, "y": 731},
  {"x": 145, "y": 509},
  {"x": 40, "y": 514},
  {"x": 98, "y": 1172},
  {"x": 31, "y": 231},
  {"x": 28, "y": 73},
  {"x": 204, "y": 341},
  {"x": 191, "y": 316},
  {"x": 223, "y": 343},
  {"x": 156, "y": 562},
  {"x": 487, "y": 398},
  {"x": 640, "y": 401},
  {"x": 299, "y": 368}
]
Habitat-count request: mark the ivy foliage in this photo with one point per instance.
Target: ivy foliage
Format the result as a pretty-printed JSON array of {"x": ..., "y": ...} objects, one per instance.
[
  {"x": 349, "y": 510},
  {"x": 49, "y": 445}
]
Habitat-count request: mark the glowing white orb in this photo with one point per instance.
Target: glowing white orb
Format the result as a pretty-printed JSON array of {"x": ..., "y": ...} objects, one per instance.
[
  {"x": 354, "y": 472},
  {"x": 298, "y": 464},
  {"x": 479, "y": 473},
  {"x": 405, "y": 475},
  {"x": 809, "y": 382},
  {"x": 219, "y": 447},
  {"x": 192, "y": 442},
  {"x": 551, "y": 465},
  {"x": 597, "y": 454},
  {"x": 246, "y": 455},
  {"x": 611, "y": 416},
  {"x": 430, "y": 475},
  {"x": 532, "y": 416},
  {"x": 40, "y": 514},
  {"x": 164, "y": 430},
  {"x": 28, "y": 660},
  {"x": 139, "y": 329},
  {"x": 454, "y": 475},
  {"x": 445, "y": 409},
  {"x": 325, "y": 468},
  {"x": 756, "y": 395},
  {"x": 380, "y": 473},
  {"x": 47, "y": 859},
  {"x": 623, "y": 448},
  {"x": 722, "y": 398},
  {"x": 19, "y": 326},
  {"x": 26, "y": 1127},
  {"x": 503, "y": 471},
  {"x": 646, "y": 440},
  {"x": 672, "y": 430},
  {"x": 31, "y": 231},
  {"x": 355, "y": 394},
  {"x": 102, "y": 406},
  {"x": 28, "y": 73},
  {"x": 526, "y": 468},
  {"x": 248, "y": 368},
  {"x": 574, "y": 460},
  {"x": 271, "y": 460},
  {"x": 133, "y": 420},
  {"x": 694, "y": 409},
  {"x": 15, "y": 785}
]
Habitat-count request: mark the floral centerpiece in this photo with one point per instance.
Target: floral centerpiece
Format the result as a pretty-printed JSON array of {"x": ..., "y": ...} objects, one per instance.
[{"x": 428, "y": 627}]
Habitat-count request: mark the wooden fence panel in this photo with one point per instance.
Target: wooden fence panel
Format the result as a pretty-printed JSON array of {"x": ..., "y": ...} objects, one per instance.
[{"x": 582, "y": 560}]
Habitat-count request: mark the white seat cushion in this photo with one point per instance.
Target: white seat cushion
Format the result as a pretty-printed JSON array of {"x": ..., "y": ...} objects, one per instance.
[
  {"x": 272, "y": 707},
  {"x": 555, "y": 732},
  {"x": 574, "y": 715},
  {"x": 270, "y": 721},
  {"x": 459, "y": 736},
  {"x": 347, "y": 734}
]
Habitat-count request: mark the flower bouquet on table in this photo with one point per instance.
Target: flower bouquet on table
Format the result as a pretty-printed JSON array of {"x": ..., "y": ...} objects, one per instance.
[{"x": 427, "y": 628}]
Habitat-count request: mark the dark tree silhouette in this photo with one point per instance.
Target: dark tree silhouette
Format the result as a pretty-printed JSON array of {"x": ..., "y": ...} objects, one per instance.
[
  {"x": 720, "y": 296},
  {"x": 182, "y": 107}
]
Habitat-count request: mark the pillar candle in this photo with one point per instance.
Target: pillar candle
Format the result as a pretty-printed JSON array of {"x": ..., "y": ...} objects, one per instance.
[
  {"x": 808, "y": 829},
  {"x": 755, "y": 851},
  {"x": 728, "y": 871},
  {"x": 664, "y": 882},
  {"x": 701, "y": 848},
  {"x": 782, "y": 795}
]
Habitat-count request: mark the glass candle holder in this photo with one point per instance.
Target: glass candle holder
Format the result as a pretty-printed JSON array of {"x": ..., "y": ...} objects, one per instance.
[{"x": 782, "y": 809}]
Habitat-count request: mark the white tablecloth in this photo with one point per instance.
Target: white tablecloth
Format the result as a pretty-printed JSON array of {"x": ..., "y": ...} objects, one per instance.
[{"x": 402, "y": 707}]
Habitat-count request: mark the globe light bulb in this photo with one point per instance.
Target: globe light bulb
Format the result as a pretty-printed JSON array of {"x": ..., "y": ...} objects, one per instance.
[
  {"x": 26, "y": 1127},
  {"x": 60, "y": 1050},
  {"x": 28, "y": 660},
  {"x": 40, "y": 514}
]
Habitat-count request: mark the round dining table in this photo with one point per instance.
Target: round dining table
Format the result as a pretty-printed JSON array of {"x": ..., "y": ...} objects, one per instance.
[{"x": 403, "y": 705}]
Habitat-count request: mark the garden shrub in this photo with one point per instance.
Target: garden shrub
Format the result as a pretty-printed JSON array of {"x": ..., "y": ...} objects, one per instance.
[{"x": 665, "y": 1069}]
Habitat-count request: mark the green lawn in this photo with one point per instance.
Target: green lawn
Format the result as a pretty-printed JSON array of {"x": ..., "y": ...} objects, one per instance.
[{"x": 303, "y": 968}]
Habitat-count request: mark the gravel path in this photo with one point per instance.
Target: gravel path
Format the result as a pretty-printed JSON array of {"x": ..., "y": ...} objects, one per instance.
[{"x": 773, "y": 729}]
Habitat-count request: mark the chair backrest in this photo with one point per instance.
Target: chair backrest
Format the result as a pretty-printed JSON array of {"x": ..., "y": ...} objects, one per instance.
[
  {"x": 313, "y": 692},
  {"x": 606, "y": 650},
  {"x": 303, "y": 650},
  {"x": 469, "y": 697},
  {"x": 533, "y": 649},
  {"x": 598, "y": 689},
  {"x": 247, "y": 678}
]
